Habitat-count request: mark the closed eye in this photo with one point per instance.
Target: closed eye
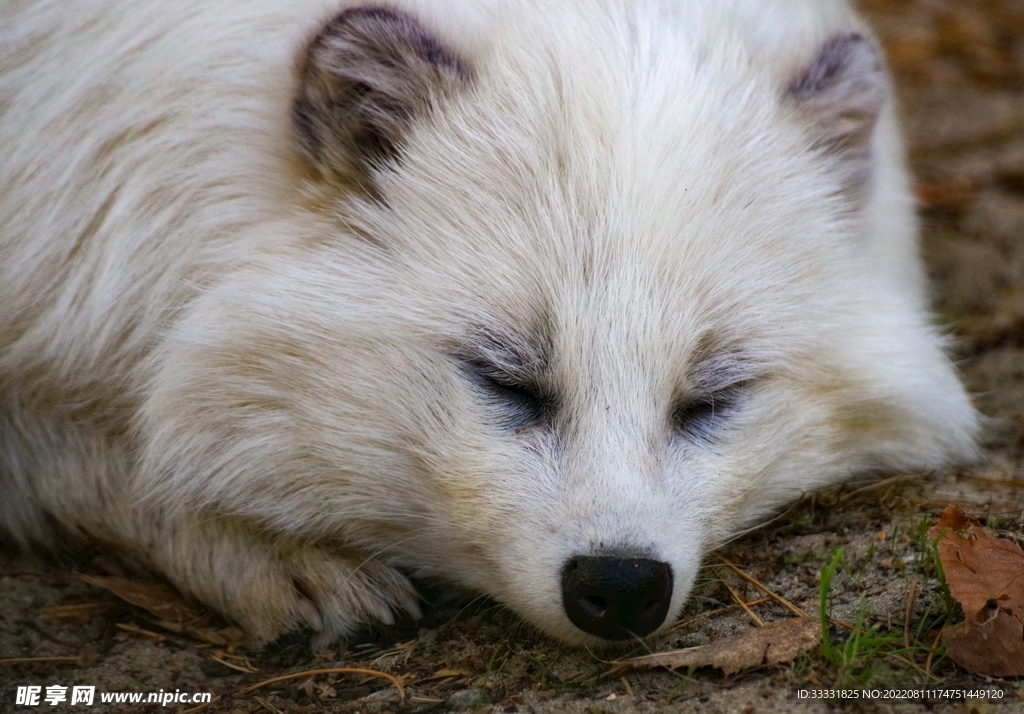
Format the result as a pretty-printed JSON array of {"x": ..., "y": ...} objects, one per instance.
[
  {"x": 522, "y": 404},
  {"x": 702, "y": 416}
]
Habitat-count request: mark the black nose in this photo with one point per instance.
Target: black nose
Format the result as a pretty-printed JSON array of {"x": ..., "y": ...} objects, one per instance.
[{"x": 616, "y": 598}]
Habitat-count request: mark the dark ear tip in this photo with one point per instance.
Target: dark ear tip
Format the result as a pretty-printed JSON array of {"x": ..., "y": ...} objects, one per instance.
[
  {"x": 384, "y": 33},
  {"x": 842, "y": 57},
  {"x": 363, "y": 79},
  {"x": 840, "y": 96},
  {"x": 360, "y": 23},
  {"x": 356, "y": 19}
]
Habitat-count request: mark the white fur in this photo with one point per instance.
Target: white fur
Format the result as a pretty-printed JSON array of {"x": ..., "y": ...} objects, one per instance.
[{"x": 224, "y": 370}]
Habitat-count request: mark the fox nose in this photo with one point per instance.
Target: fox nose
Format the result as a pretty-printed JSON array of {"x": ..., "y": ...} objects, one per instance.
[{"x": 616, "y": 598}]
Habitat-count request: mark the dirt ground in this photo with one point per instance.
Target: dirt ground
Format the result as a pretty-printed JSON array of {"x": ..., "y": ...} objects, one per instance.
[{"x": 960, "y": 69}]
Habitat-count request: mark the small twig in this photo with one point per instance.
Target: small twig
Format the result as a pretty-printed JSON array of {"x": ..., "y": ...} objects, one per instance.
[
  {"x": 1008, "y": 482},
  {"x": 877, "y": 485},
  {"x": 331, "y": 670},
  {"x": 629, "y": 689},
  {"x": 764, "y": 588},
  {"x": 931, "y": 654},
  {"x": 245, "y": 670},
  {"x": 739, "y": 601},
  {"x": 231, "y": 655},
  {"x": 77, "y": 611},
  {"x": 135, "y": 630},
  {"x": 49, "y": 577},
  {"x": 913, "y": 664},
  {"x": 27, "y": 660},
  {"x": 716, "y": 611},
  {"x": 906, "y": 613}
]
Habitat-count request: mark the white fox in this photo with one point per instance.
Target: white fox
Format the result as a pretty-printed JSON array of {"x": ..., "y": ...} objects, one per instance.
[{"x": 546, "y": 298}]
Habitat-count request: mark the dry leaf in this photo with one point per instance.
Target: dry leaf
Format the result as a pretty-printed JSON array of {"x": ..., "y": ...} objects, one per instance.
[
  {"x": 155, "y": 636},
  {"x": 772, "y": 644},
  {"x": 986, "y": 576},
  {"x": 993, "y": 649},
  {"x": 170, "y": 611},
  {"x": 160, "y": 600}
]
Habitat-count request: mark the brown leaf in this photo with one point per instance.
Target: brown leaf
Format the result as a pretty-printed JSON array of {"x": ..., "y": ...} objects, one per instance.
[
  {"x": 953, "y": 518},
  {"x": 986, "y": 576},
  {"x": 772, "y": 644},
  {"x": 169, "y": 609},
  {"x": 160, "y": 600},
  {"x": 994, "y": 648}
]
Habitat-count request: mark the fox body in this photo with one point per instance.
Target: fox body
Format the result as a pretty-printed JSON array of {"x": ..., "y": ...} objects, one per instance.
[{"x": 301, "y": 299}]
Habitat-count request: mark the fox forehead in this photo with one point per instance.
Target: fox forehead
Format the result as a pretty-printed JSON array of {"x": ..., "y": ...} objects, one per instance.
[{"x": 690, "y": 192}]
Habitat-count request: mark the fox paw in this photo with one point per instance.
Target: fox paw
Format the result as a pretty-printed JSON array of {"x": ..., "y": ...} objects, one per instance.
[{"x": 273, "y": 587}]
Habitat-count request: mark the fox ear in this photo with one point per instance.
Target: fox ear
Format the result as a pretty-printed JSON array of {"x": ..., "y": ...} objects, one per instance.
[
  {"x": 365, "y": 77},
  {"x": 841, "y": 95}
]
